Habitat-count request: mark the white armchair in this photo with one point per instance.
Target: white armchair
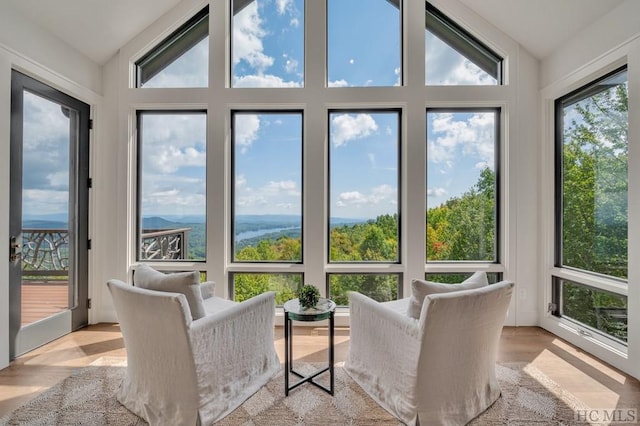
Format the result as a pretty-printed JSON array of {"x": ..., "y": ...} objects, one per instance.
[
  {"x": 438, "y": 369},
  {"x": 185, "y": 371}
]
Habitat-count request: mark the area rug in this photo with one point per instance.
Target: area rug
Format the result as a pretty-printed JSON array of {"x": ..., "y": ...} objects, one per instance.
[{"x": 87, "y": 397}]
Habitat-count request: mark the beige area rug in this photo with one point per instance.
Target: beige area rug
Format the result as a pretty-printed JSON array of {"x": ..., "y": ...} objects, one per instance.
[{"x": 87, "y": 398}]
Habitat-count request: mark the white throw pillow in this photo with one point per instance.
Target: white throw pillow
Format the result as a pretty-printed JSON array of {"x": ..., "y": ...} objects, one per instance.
[
  {"x": 421, "y": 289},
  {"x": 187, "y": 283}
]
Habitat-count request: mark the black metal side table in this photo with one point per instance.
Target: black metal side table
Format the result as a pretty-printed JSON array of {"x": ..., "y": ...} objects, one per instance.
[{"x": 324, "y": 309}]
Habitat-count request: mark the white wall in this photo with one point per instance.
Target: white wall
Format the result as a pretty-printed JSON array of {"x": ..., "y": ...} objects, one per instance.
[
  {"x": 609, "y": 43},
  {"x": 31, "y": 50}
]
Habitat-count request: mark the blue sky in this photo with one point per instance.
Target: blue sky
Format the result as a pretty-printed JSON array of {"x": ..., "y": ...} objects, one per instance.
[{"x": 268, "y": 51}]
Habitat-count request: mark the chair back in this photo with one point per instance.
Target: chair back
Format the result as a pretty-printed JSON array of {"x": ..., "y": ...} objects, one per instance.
[
  {"x": 160, "y": 360},
  {"x": 461, "y": 332}
]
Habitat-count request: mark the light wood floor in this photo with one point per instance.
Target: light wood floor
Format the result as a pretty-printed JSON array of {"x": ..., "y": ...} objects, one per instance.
[{"x": 590, "y": 380}]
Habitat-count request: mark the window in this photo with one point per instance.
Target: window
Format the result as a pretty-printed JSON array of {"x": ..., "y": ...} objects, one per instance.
[
  {"x": 246, "y": 285},
  {"x": 380, "y": 287},
  {"x": 364, "y": 153},
  {"x": 462, "y": 184},
  {"x": 268, "y": 43},
  {"x": 181, "y": 60},
  {"x": 353, "y": 27},
  {"x": 454, "y": 278},
  {"x": 592, "y": 205},
  {"x": 267, "y": 191},
  {"x": 601, "y": 311},
  {"x": 592, "y": 159},
  {"x": 172, "y": 185},
  {"x": 455, "y": 57}
]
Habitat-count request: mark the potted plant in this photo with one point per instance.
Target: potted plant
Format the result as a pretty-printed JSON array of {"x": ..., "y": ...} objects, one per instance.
[{"x": 308, "y": 295}]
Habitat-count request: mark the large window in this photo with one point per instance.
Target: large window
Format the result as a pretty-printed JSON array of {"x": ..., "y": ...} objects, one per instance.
[
  {"x": 462, "y": 185},
  {"x": 455, "y": 57},
  {"x": 364, "y": 152},
  {"x": 180, "y": 60},
  {"x": 591, "y": 202},
  {"x": 268, "y": 43},
  {"x": 353, "y": 28},
  {"x": 267, "y": 191},
  {"x": 172, "y": 153},
  {"x": 314, "y": 131}
]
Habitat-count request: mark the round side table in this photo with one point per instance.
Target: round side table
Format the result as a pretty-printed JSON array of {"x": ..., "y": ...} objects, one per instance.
[{"x": 324, "y": 309}]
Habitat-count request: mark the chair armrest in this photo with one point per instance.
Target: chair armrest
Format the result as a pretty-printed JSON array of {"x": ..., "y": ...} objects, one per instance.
[
  {"x": 234, "y": 349},
  {"x": 207, "y": 289},
  {"x": 384, "y": 350}
]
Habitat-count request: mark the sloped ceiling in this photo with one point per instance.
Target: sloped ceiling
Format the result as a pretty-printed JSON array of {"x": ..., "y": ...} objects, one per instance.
[
  {"x": 541, "y": 26},
  {"x": 98, "y": 28}
]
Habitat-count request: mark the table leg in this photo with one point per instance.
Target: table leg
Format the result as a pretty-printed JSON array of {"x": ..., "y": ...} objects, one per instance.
[
  {"x": 287, "y": 339},
  {"x": 331, "y": 353}
]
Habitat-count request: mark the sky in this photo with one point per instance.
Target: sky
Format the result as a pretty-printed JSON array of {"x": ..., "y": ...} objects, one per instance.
[{"x": 267, "y": 46}]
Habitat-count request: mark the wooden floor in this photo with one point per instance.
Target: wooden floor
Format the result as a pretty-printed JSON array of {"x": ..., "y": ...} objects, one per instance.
[{"x": 590, "y": 380}]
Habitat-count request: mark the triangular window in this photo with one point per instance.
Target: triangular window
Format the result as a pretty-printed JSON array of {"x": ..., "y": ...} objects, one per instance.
[
  {"x": 455, "y": 57},
  {"x": 180, "y": 60}
]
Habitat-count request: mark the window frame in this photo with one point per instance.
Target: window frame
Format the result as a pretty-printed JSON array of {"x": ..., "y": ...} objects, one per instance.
[
  {"x": 576, "y": 276},
  {"x": 463, "y": 42},
  {"x": 399, "y": 189},
  {"x": 396, "y": 3},
  {"x": 498, "y": 190},
  {"x": 583, "y": 92},
  {"x": 232, "y": 167},
  {"x": 138, "y": 182},
  {"x": 172, "y": 47}
]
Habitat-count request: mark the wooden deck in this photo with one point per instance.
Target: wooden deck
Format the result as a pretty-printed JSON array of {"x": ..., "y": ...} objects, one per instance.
[{"x": 40, "y": 300}]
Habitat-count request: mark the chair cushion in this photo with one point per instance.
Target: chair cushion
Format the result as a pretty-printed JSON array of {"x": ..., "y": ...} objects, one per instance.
[
  {"x": 421, "y": 289},
  {"x": 216, "y": 304},
  {"x": 187, "y": 283}
]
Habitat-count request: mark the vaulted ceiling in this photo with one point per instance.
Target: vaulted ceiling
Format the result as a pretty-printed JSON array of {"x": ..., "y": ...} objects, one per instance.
[{"x": 98, "y": 28}]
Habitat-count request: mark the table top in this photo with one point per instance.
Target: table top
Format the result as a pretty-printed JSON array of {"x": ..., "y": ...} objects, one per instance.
[{"x": 322, "y": 310}]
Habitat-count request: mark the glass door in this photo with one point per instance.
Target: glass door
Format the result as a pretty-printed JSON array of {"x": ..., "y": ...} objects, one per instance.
[{"x": 48, "y": 214}]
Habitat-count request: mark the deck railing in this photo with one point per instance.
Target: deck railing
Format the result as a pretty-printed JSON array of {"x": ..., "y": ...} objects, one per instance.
[
  {"x": 45, "y": 252},
  {"x": 164, "y": 244}
]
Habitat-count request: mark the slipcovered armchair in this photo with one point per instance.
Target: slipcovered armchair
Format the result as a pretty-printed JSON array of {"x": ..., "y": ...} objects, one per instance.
[
  {"x": 438, "y": 368},
  {"x": 186, "y": 371}
]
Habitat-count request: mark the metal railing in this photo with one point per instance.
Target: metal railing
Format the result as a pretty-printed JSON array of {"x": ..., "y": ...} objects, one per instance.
[
  {"x": 45, "y": 252},
  {"x": 164, "y": 244}
]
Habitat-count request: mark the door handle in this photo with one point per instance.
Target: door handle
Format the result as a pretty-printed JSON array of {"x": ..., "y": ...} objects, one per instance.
[{"x": 15, "y": 249}]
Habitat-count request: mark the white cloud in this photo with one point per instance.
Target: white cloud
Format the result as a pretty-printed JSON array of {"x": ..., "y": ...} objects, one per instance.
[
  {"x": 346, "y": 127},
  {"x": 59, "y": 179},
  {"x": 247, "y": 38},
  {"x": 263, "y": 81},
  {"x": 398, "y": 76},
  {"x": 295, "y": 22},
  {"x": 173, "y": 194},
  {"x": 189, "y": 70},
  {"x": 378, "y": 196},
  {"x": 45, "y": 201},
  {"x": 471, "y": 137},
  {"x": 246, "y": 129},
  {"x": 352, "y": 61},
  {"x": 169, "y": 158},
  {"x": 436, "y": 192},
  {"x": 283, "y": 5},
  {"x": 273, "y": 197},
  {"x": 338, "y": 83},
  {"x": 445, "y": 66},
  {"x": 291, "y": 65}
]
